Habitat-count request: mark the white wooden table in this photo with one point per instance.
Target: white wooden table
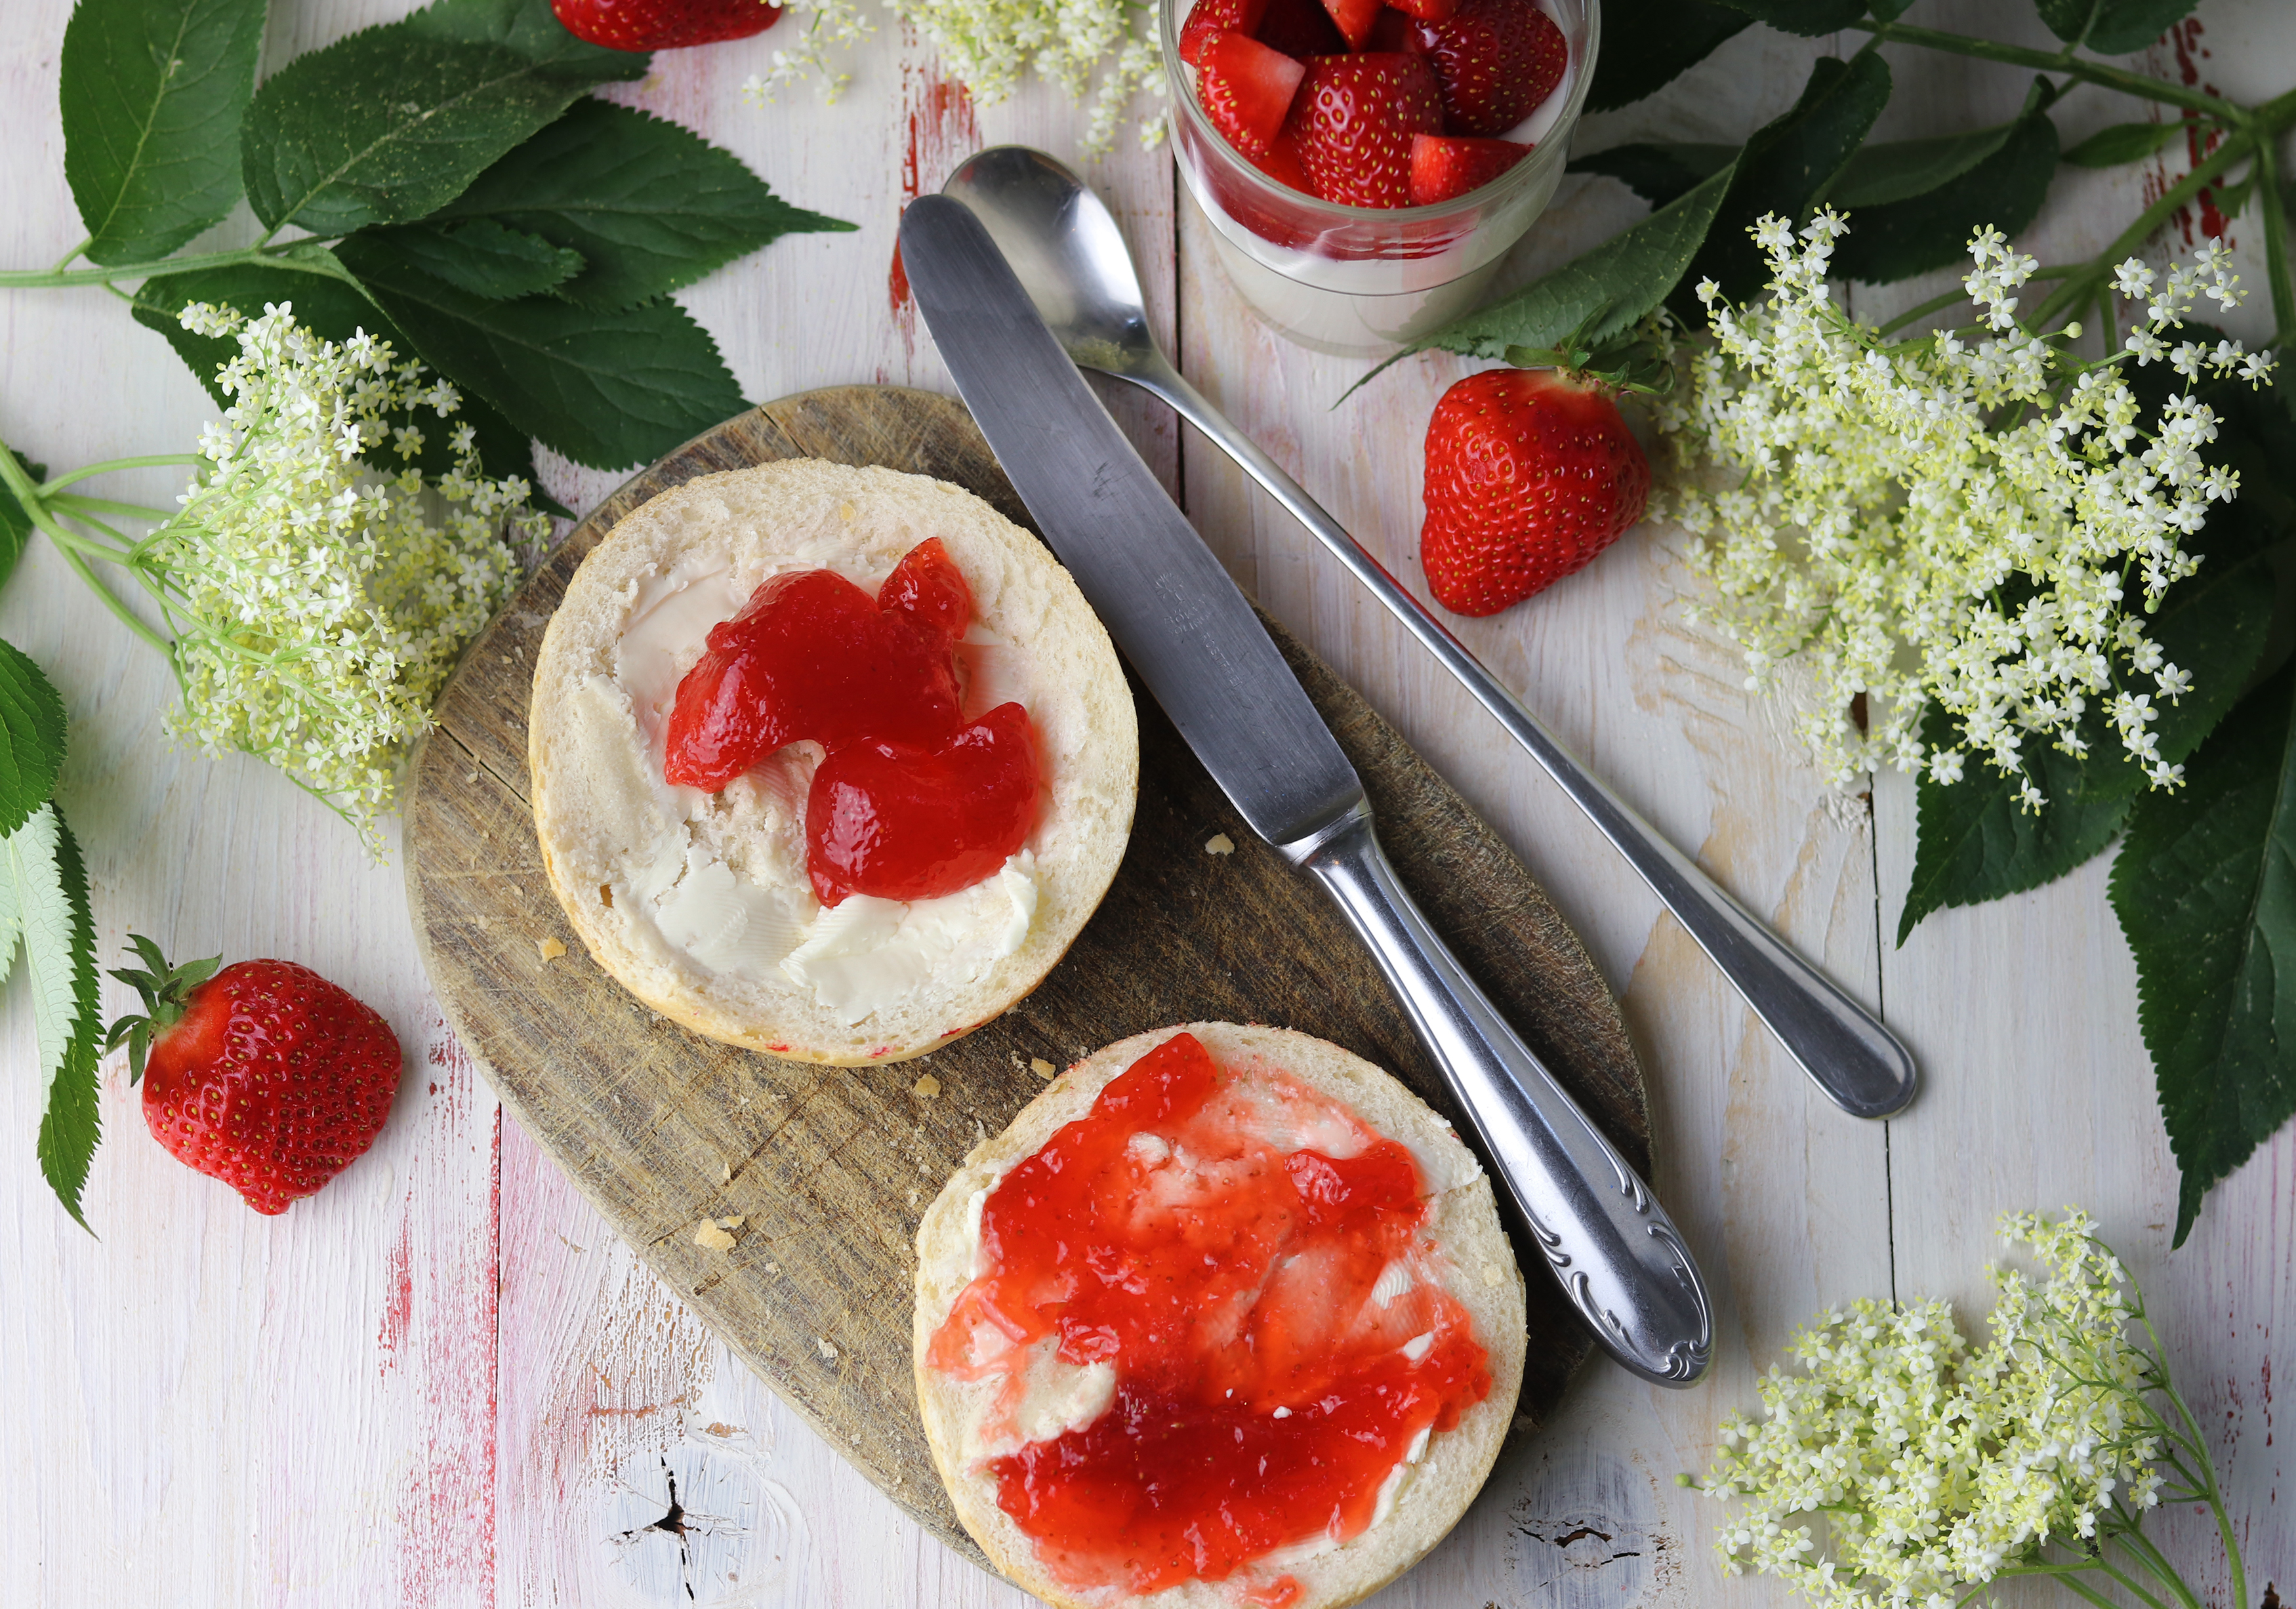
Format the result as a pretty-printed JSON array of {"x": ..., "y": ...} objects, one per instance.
[{"x": 442, "y": 1383}]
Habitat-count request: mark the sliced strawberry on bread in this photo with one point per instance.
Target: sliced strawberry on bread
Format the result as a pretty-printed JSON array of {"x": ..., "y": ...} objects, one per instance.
[
  {"x": 1300, "y": 28},
  {"x": 1353, "y": 18},
  {"x": 1246, "y": 89},
  {"x": 1443, "y": 167},
  {"x": 1496, "y": 60},
  {"x": 1211, "y": 17},
  {"x": 1358, "y": 114}
]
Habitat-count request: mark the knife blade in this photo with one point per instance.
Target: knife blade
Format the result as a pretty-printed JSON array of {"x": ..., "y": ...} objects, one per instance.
[{"x": 1195, "y": 641}]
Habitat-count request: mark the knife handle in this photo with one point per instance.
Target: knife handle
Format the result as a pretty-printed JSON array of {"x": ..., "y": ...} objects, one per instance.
[{"x": 1616, "y": 1252}]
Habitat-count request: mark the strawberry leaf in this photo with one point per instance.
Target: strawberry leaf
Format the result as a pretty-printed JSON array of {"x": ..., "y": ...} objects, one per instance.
[
  {"x": 390, "y": 124},
  {"x": 1670, "y": 37},
  {"x": 2205, "y": 889},
  {"x": 651, "y": 207},
  {"x": 151, "y": 93},
  {"x": 606, "y": 388},
  {"x": 72, "y": 1124},
  {"x": 1974, "y": 841},
  {"x": 483, "y": 257},
  {"x": 31, "y": 738},
  {"x": 44, "y": 900}
]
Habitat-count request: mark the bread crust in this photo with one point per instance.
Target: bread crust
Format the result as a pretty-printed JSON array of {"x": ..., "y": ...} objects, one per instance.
[
  {"x": 796, "y": 515},
  {"x": 1482, "y": 1275}
]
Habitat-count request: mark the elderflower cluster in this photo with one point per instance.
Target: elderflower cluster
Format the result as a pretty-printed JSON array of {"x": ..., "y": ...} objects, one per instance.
[
  {"x": 989, "y": 44},
  {"x": 319, "y": 598},
  {"x": 1896, "y": 1468},
  {"x": 1975, "y": 517}
]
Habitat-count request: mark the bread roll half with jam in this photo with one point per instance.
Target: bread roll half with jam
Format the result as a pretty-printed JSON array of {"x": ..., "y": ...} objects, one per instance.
[
  {"x": 699, "y": 902},
  {"x": 1225, "y": 1317}
]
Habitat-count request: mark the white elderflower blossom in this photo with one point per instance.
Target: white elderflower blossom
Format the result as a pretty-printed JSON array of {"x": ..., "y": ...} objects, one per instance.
[
  {"x": 1976, "y": 518},
  {"x": 988, "y": 44},
  {"x": 1896, "y": 1467},
  {"x": 319, "y": 592}
]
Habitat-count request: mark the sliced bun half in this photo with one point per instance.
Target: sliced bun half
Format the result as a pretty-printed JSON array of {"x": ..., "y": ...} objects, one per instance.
[
  {"x": 1478, "y": 1267},
  {"x": 699, "y": 903}
]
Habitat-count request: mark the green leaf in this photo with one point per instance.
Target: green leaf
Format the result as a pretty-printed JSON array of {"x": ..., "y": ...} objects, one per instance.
[
  {"x": 2205, "y": 889},
  {"x": 2006, "y": 190},
  {"x": 333, "y": 309},
  {"x": 72, "y": 1124},
  {"x": 1668, "y": 37},
  {"x": 2126, "y": 26},
  {"x": 651, "y": 206},
  {"x": 1810, "y": 18},
  {"x": 483, "y": 257},
  {"x": 31, "y": 737},
  {"x": 47, "y": 901},
  {"x": 1974, "y": 841},
  {"x": 2122, "y": 143},
  {"x": 606, "y": 388},
  {"x": 390, "y": 124},
  {"x": 1786, "y": 166},
  {"x": 15, "y": 523},
  {"x": 1621, "y": 279},
  {"x": 1900, "y": 169},
  {"x": 2069, "y": 19},
  {"x": 1657, "y": 173},
  {"x": 152, "y": 93}
]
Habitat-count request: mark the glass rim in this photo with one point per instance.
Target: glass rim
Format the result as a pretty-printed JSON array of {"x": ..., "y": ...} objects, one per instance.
[{"x": 1180, "y": 93}]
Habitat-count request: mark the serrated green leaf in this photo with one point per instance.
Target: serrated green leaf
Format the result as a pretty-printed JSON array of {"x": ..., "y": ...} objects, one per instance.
[
  {"x": 529, "y": 27},
  {"x": 2069, "y": 19},
  {"x": 152, "y": 93},
  {"x": 72, "y": 1124},
  {"x": 1897, "y": 170},
  {"x": 51, "y": 930},
  {"x": 1786, "y": 166},
  {"x": 1974, "y": 841},
  {"x": 1809, "y": 18},
  {"x": 1622, "y": 280},
  {"x": 2122, "y": 143},
  {"x": 390, "y": 124},
  {"x": 1668, "y": 37},
  {"x": 334, "y": 310},
  {"x": 2205, "y": 889},
  {"x": 606, "y": 388},
  {"x": 2125, "y": 25},
  {"x": 15, "y": 523},
  {"x": 651, "y": 206},
  {"x": 483, "y": 257},
  {"x": 2006, "y": 190},
  {"x": 1659, "y": 173},
  {"x": 31, "y": 737}
]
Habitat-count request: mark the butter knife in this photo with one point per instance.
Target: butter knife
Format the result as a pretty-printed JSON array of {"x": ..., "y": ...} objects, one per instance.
[{"x": 1195, "y": 641}]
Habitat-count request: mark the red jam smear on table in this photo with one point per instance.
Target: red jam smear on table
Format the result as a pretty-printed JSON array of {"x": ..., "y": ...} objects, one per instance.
[
  {"x": 1226, "y": 1272},
  {"x": 911, "y": 802}
]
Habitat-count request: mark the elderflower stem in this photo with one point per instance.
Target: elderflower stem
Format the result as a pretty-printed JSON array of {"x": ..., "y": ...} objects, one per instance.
[
  {"x": 2083, "y": 283},
  {"x": 149, "y": 461},
  {"x": 270, "y": 256},
  {"x": 73, "y": 503},
  {"x": 74, "y": 255},
  {"x": 2228, "y": 113}
]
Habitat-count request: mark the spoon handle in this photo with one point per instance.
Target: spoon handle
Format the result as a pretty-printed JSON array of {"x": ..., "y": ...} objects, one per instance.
[{"x": 1862, "y": 1066}]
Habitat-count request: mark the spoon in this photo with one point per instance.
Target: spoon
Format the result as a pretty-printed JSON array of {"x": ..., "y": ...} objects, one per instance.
[{"x": 1064, "y": 245}]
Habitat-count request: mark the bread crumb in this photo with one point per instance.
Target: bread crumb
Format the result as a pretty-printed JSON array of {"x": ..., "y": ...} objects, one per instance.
[
  {"x": 1041, "y": 1067},
  {"x": 707, "y": 1233},
  {"x": 912, "y": 1200},
  {"x": 772, "y": 1268},
  {"x": 825, "y": 1346},
  {"x": 549, "y": 948},
  {"x": 928, "y": 1087},
  {"x": 724, "y": 1173},
  {"x": 734, "y": 1220},
  {"x": 1492, "y": 1276},
  {"x": 1219, "y": 843}
]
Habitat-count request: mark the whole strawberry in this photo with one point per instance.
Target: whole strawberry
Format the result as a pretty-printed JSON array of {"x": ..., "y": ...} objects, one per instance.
[
  {"x": 663, "y": 24},
  {"x": 263, "y": 1075},
  {"x": 1531, "y": 473}
]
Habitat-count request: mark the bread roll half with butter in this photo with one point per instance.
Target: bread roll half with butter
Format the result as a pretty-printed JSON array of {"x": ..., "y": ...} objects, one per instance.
[
  {"x": 972, "y": 1424},
  {"x": 699, "y": 903}
]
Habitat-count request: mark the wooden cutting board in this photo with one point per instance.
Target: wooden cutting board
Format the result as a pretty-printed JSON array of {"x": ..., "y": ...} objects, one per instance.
[{"x": 831, "y": 1168}]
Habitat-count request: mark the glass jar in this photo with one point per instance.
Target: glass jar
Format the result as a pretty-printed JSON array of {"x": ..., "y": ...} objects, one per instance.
[{"x": 1361, "y": 281}]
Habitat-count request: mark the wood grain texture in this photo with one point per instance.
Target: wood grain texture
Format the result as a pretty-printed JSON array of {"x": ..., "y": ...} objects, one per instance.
[{"x": 829, "y": 1167}]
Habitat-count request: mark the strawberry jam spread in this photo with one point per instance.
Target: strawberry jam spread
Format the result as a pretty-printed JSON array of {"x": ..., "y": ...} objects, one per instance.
[
  {"x": 1253, "y": 1264},
  {"x": 911, "y": 802}
]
